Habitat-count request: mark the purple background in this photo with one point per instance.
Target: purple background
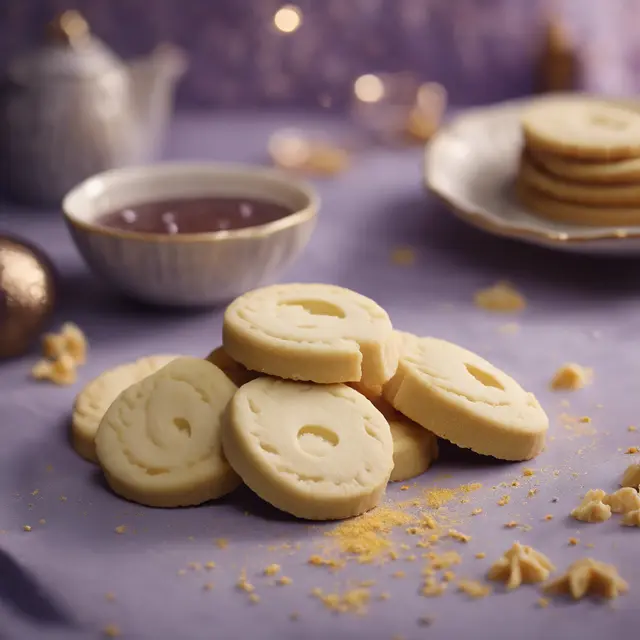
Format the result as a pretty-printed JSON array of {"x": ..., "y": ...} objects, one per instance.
[{"x": 482, "y": 50}]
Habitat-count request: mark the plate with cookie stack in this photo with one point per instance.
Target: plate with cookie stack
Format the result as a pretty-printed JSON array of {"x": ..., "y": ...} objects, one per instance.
[{"x": 560, "y": 171}]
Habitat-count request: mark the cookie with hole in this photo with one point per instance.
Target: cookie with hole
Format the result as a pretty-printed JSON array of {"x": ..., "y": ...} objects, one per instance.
[
  {"x": 159, "y": 443},
  {"x": 311, "y": 332},
  {"x": 462, "y": 398},
  {"x": 318, "y": 452},
  {"x": 582, "y": 127}
]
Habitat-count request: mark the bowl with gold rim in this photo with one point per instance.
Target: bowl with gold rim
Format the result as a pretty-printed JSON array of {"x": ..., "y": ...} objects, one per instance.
[{"x": 190, "y": 234}]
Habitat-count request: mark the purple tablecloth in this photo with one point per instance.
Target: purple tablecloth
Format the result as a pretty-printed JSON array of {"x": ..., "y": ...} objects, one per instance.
[{"x": 53, "y": 580}]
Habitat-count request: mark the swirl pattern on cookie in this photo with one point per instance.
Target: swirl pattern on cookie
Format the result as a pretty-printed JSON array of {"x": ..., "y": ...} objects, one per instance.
[
  {"x": 311, "y": 332},
  {"x": 462, "y": 398},
  {"x": 95, "y": 398},
  {"x": 159, "y": 442},
  {"x": 316, "y": 452}
]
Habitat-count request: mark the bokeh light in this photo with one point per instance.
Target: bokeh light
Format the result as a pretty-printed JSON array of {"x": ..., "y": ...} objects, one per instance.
[
  {"x": 288, "y": 18},
  {"x": 369, "y": 88}
]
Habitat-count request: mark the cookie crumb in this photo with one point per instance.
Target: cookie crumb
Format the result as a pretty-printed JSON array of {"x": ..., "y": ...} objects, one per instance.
[
  {"x": 476, "y": 512},
  {"x": 504, "y": 500},
  {"x": 632, "y": 428},
  {"x": 242, "y": 583},
  {"x": 592, "y": 508},
  {"x": 458, "y": 535},
  {"x": 473, "y": 588},
  {"x": 210, "y": 565},
  {"x": 573, "y": 542},
  {"x": 632, "y": 450},
  {"x": 571, "y": 377},
  {"x": 398, "y": 574},
  {"x": 532, "y": 492},
  {"x": 502, "y": 297},
  {"x": 110, "y": 597},
  {"x": 112, "y": 631},
  {"x": 543, "y": 603},
  {"x": 254, "y": 598},
  {"x": 222, "y": 543},
  {"x": 121, "y": 528},
  {"x": 404, "y": 487},
  {"x": 403, "y": 256},
  {"x": 480, "y": 555},
  {"x": 283, "y": 581},
  {"x": 589, "y": 577},
  {"x": 511, "y": 524},
  {"x": 548, "y": 517},
  {"x": 520, "y": 564},
  {"x": 194, "y": 566},
  {"x": 584, "y": 419},
  {"x": 42, "y": 521},
  {"x": 26, "y": 527},
  {"x": 271, "y": 570}
]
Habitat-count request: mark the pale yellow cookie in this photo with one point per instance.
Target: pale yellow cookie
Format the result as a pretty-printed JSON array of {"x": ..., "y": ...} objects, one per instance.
[
  {"x": 627, "y": 195},
  {"x": 93, "y": 401},
  {"x": 237, "y": 373},
  {"x": 319, "y": 452},
  {"x": 582, "y": 127},
  {"x": 414, "y": 448},
  {"x": 549, "y": 208},
  {"x": 462, "y": 398},
  {"x": 311, "y": 332},
  {"x": 617, "y": 172},
  {"x": 159, "y": 442}
]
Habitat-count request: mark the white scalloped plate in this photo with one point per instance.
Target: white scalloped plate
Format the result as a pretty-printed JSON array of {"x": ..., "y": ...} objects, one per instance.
[{"x": 471, "y": 164}]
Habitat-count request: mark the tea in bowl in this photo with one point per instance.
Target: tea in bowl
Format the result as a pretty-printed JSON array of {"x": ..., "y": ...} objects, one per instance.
[{"x": 190, "y": 234}]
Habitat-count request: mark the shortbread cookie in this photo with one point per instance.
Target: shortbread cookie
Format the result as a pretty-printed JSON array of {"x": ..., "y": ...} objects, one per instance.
[
  {"x": 93, "y": 401},
  {"x": 618, "y": 172},
  {"x": 627, "y": 195},
  {"x": 237, "y": 373},
  {"x": 311, "y": 332},
  {"x": 579, "y": 214},
  {"x": 462, "y": 398},
  {"x": 414, "y": 448},
  {"x": 159, "y": 442},
  {"x": 317, "y": 452},
  {"x": 582, "y": 128}
]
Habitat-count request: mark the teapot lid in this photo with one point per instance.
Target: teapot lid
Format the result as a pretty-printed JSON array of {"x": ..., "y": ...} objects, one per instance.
[{"x": 70, "y": 51}]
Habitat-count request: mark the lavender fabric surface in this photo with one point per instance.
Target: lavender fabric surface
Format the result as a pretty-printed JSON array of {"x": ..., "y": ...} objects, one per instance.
[{"x": 53, "y": 580}]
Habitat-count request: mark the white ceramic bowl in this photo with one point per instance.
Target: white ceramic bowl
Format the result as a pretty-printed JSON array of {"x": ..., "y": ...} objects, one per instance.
[{"x": 189, "y": 269}]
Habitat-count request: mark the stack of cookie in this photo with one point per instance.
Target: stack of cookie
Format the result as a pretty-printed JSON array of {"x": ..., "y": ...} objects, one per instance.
[
  {"x": 313, "y": 401},
  {"x": 581, "y": 162}
]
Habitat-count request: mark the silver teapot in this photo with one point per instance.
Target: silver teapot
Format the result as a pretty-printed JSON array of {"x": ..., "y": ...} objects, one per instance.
[{"x": 72, "y": 108}]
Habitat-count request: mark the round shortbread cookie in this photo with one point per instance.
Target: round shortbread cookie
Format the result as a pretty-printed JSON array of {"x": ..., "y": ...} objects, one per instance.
[
  {"x": 319, "y": 452},
  {"x": 237, "y": 373},
  {"x": 415, "y": 448},
  {"x": 95, "y": 398},
  {"x": 582, "y": 128},
  {"x": 462, "y": 398},
  {"x": 311, "y": 332},
  {"x": 547, "y": 207},
  {"x": 159, "y": 442},
  {"x": 617, "y": 172},
  {"x": 575, "y": 193}
]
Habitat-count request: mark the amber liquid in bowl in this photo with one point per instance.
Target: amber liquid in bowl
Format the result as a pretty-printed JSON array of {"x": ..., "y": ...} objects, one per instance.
[{"x": 205, "y": 214}]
